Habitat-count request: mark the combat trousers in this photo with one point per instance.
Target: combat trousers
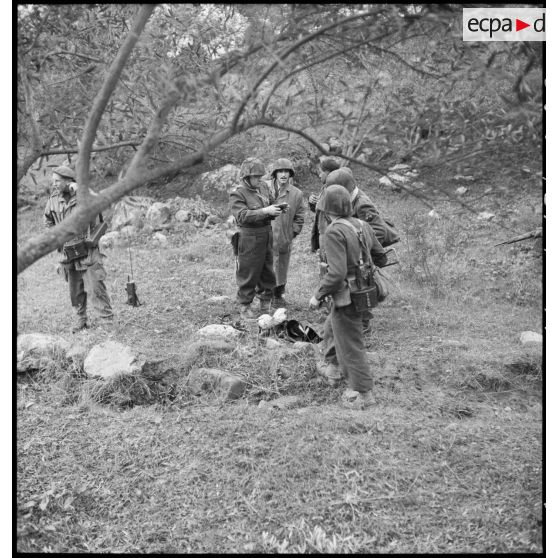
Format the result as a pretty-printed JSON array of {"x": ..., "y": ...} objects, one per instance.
[
  {"x": 89, "y": 280},
  {"x": 281, "y": 266},
  {"x": 344, "y": 345},
  {"x": 254, "y": 272}
]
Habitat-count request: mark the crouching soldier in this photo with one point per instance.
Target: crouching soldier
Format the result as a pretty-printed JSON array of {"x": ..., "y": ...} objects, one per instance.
[
  {"x": 80, "y": 257},
  {"x": 345, "y": 354},
  {"x": 285, "y": 227},
  {"x": 253, "y": 210}
]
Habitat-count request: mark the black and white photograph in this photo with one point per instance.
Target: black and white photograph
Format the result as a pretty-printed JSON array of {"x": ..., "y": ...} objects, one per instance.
[{"x": 280, "y": 278}]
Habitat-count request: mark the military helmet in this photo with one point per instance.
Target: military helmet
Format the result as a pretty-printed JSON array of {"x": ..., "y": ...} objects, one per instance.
[
  {"x": 328, "y": 164},
  {"x": 337, "y": 201},
  {"x": 282, "y": 163},
  {"x": 65, "y": 172},
  {"x": 252, "y": 167},
  {"x": 341, "y": 176}
]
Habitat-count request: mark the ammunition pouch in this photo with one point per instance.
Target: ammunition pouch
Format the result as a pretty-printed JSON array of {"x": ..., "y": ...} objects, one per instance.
[{"x": 74, "y": 250}]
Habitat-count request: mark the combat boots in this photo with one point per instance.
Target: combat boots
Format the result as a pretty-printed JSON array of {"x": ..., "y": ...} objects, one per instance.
[
  {"x": 265, "y": 306},
  {"x": 82, "y": 324},
  {"x": 246, "y": 312},
  {"x": 330, "y": 372},
  {"x": 278, "y": 300}
]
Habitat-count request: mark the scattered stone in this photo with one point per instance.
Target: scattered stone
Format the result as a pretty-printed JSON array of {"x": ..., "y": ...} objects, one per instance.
[
  {"x": 433, "y": 214},
  {"x": 128, "y": 231},
  {"x": 109, "y": 240},
  {"x": 35, "y": 351},
  {"x": 223, "y": 178},
  {"x": 462, "y": 178},
  {"x": 111, "y": 359},
  {"x": 285, "y": 402},
  {"x": 461, "y": 190},
  {"x": 212, "y": 220},
  {"x": 158, "y": 214},
  {"x": 400, "y": 167},
  {"x": 273, "y": 343},
  {"x": 182, "y": 215},
  {"x": 219, "y": 331},
  {"x": 218, "y": 382},
  {"x": 160, "y": 239},
  {"x": 385, "y": 181},
  {"x": 485, "y": 216},
  {"x": 231, "y": 222},
  {"x": 530, "y": 338},
  {"x": 216, "y": 299},
  {"x": 130, "y": 210}
]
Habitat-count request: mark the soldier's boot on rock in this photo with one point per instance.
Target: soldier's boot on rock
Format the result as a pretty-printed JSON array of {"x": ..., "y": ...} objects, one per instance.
[{"x": 330, "y": 372}]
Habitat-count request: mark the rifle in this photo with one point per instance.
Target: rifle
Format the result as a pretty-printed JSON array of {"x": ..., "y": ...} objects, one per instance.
[{"x": 537, "y": 233}]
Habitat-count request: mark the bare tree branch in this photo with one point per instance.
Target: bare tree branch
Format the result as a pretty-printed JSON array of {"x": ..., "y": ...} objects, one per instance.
[{"x": 104, "y": 95}]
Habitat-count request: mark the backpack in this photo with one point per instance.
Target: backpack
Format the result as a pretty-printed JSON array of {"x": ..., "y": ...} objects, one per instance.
[{"x": 368, "y": 287}]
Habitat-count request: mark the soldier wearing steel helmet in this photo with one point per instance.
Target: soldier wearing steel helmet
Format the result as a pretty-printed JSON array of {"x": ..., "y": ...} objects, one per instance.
[
  {"x": 253, "y": 207},
  {"x": 83, "y": 268},
  {"x": 287, "y": 225},
  {"x": 344, "y": 351}
]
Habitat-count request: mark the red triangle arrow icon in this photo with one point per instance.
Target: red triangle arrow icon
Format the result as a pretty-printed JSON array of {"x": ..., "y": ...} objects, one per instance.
[{"x": 519, "y": 25}]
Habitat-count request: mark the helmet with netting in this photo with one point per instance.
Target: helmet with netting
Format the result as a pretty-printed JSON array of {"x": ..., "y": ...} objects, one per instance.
[{"x": 252, "y": 167}]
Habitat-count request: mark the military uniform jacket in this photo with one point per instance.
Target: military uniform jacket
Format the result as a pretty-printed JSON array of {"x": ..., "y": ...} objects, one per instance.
[
  {"x": 365, "y": 210},
  {"x": 289, "y": 224},
  {"x": 342, "y": 250},
  {"x": 58, "y": 208},
  {"x": 246, "y": 204}
]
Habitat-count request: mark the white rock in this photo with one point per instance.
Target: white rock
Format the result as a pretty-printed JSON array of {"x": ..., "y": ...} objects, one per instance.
[
  {"x": 400, "y": 167},
  {"x": 231, "y": 222},
  {"x": 182, "y": 215},
  {"x": 130, "y": 210},
  {"x": 36, "y": 350},
  {"x": 485, "y": 216},
  {"x": 109, "y": 240},
  {"x": 385, "y": 181},
  {"x": 272, "y": 343},
  {"x": 395, "y": 177},
  {"x": 223, "y": 178},
  {"x": 219, "y": 331},
  {"x": 160, "y": 239},
  {"x": 158, "y": 214},
  {"x": 111, "y": 359},
  {"x": 279, "y": 316},
  {"x": 265, "y": 321},
  {"x": 433, "y": 214},
  {"x": 530, "y": 338},
  {"x": 467, "y": 178},
  {"x": 461, "y": 190}
]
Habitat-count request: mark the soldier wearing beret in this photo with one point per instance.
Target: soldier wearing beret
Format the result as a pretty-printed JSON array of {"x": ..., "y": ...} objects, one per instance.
[{"x": 80, "y": 260}]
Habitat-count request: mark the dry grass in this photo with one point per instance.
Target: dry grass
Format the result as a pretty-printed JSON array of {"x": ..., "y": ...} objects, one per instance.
[{"x": 448, "y": 461}]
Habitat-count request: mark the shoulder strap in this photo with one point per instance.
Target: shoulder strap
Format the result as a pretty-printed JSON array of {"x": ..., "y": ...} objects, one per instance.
[{"x": 364, "y": 254}]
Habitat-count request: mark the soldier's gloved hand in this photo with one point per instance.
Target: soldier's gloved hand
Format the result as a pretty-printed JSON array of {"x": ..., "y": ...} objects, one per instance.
[
  {"x": 314, "y": 303},
  {"x": 313, "y": 199},
  {"x": 272, "y": 210}
]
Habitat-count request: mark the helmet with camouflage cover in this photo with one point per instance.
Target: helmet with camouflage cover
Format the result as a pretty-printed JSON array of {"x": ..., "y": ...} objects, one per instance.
[
  {"x": 252, "y": 167},
  {"x": 65, "y": 172},
  {"x": 280, "y": 164}
]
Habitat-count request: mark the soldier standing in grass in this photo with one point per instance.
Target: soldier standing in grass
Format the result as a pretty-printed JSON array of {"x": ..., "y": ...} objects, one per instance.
[
  {"x": 80, "y": 261},
  {"x": 345, "y": 354},
  {"x": 287, "y": 225},
  {"x": 363, "y": 208},
  {"x": 253, "y": 209},
  {"x": 315, "y": 202}
]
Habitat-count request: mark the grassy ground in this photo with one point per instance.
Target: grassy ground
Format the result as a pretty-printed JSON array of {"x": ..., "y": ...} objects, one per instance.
[{"x": 448, "y": 461}]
